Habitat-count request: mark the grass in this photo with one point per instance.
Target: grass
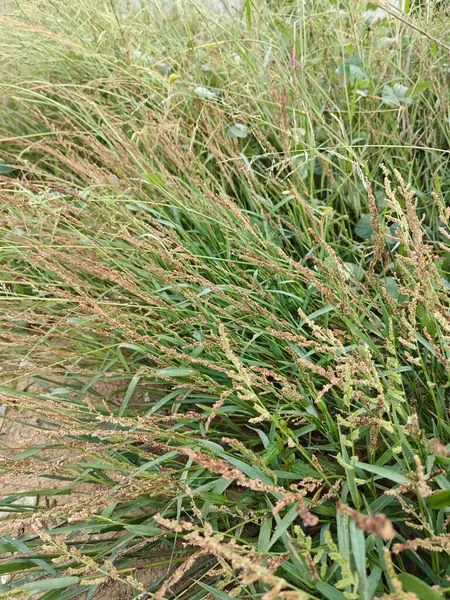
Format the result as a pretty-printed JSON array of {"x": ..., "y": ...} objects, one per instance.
[{"x": 224, "y": 258}]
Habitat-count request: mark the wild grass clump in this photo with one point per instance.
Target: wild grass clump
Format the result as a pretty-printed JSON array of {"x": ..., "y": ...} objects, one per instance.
[{"x": 225, "y": 261}]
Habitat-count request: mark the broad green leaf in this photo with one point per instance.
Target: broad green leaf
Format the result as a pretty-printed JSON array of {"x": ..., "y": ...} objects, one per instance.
[
  {"x": 392, "y": 235},
  {"x": 330, "y": 592},
  {"x": 144, "y": 530},
  {"x": 419, "y": 87},
  {"x": 219, "y": 487},
  {"x": 15, "y": 565},
  {"x": 396, "y": 95},
  {"x": 249, "y": 470},
  {"x": 439, "y": 500},
  {"x": 352, "y": 69},
  {"x": 264, "y": 534},
  {"x": 297, "y": 569},
  {"x": 358, "y": 332},
  {"x": 272, "y": 451},
  {"x": 42, "y": 564},
  {"x": 52, "y": 583},
  {"x": 342, "y": 522},
  {"x": 104, "y": 466},
  {"x": 43, "y": 492},
  {"x": 445, "y": 283},
  {"x": 383, "y": 472},
  {"x": 134, "y": 347},
  {"x": 283, "y": 525},
  {"x": 152, "y": 463},
  {"x": 348, "y": 464},
  {"x": 26, "y": 454},
  {"x": 356, "y": 270},
  {"x": 217, "y": 499},
  {"x": 70, "y": 593},
  {"x": 373, "y": 580},
  {"x": 392, "y": 288},
  {"x": 18, "y": 505},
  {"x": 6, "y": 548},
  {"x": 5, "y": 169},
  {"x": 359, "y": 556},
  {"x": 294, "y": 474},
  {"x": 175, "y": 372},
  {"x": 238, "y": 130},
  {"x": 216, "y": 593},
  {"x": 300, "y": 569},
  {"x": 363, "y": 227},
  {"x": 415, "y": 585}
]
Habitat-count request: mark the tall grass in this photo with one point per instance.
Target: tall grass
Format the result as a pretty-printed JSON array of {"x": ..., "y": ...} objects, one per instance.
[{"x": 225, "y": 260}]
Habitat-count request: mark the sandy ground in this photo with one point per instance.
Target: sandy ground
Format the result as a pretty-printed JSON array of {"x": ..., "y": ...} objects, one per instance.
[{"x": 18, "y": 436}]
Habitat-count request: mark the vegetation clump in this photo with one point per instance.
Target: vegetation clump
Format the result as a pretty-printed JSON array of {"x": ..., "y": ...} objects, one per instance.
[{"x": 225, "y": 270}]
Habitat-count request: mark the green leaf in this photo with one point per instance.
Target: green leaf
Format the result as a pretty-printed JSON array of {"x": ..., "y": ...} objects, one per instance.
[
  {"x": 216, "y": 593},
  {"x": 144, "y": 530},
  {"x": 217, "y": 499},
  {"x": 282, "y": 525},
  {"x": 396, "y": 95},
  {"x": 248, "y": 12},
  {"x": 26, "y": 454},
  {"x": 392, "y": 288},
  {"x": 445, "y": 283},
  {"x": 392, "y": 235},
  {"x": 129, "y": 393},
  {"x": 373, "y": 580},
  {"x": 53, "y": 583},
  {"x": 70, "y": 593},
  {"x": 343, "y": 534},
  {"x": 159, "y": 179},
  {"x": 272, "y": 451},
  {"x": 330, "y": 593},
  {"x": 383, "y": 472},
  {"x": 415, "y": 585},
  {"x": 175, "y": 372},
  {"x": 42, "y": 564},
  {"x": 238, "y": 130},
  {"x": 264, "y": 534},
  {"x": 359, "y": 556},
  {"x": 349, "y": 466},
  {"x": 5, "y": 169},
  {"x": 99, "y": 464},
  {"x": 170, "y": 396},
  {"x": 15, "y": 565},
  {"x": 352, "y": 69},
  {"x": 356, "y": 270},
  {"x": 419, "y": 87},
  {"x": 439, "y": 500},
  {"x": 249, "y": 470},
  {"x": 363, "y": 227}
]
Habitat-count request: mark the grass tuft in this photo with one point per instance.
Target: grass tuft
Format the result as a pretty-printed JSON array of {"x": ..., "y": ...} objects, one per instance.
[{"x": 225, "y": 272}]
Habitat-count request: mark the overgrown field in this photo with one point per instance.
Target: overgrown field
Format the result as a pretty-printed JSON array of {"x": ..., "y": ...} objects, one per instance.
[{"x": 225, "y": 268}]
